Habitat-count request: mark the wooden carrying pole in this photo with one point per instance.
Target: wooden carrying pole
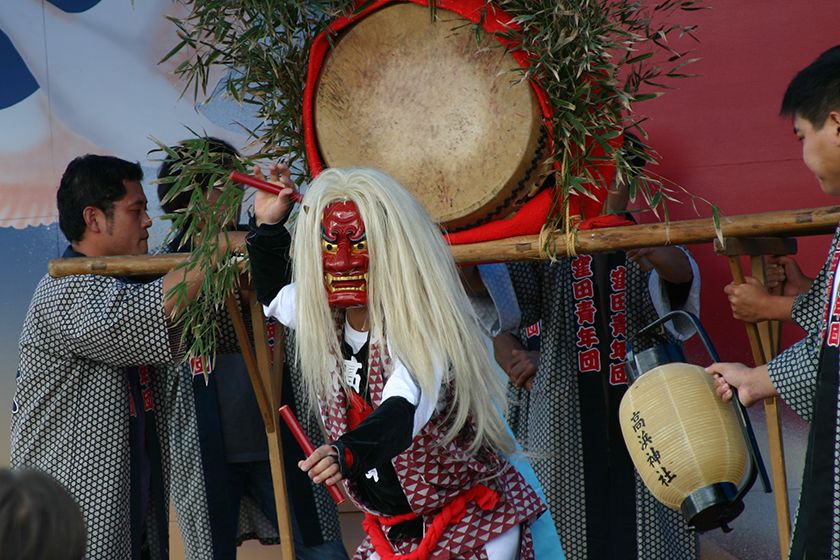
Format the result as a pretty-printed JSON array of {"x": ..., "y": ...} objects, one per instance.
[
  {"x": 782, "y": 223},
  {"x": 812, "y": 221},
  {"x": 764, "y": 344}
]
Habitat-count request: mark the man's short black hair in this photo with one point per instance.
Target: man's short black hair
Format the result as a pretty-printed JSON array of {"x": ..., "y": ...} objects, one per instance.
[
  {"x": 91, "y": 180},
  {"x": 201, "y": 180},
  {"x": 815, "y": 91}
]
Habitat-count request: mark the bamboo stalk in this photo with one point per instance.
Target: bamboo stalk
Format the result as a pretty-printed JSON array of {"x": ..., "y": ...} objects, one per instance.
[
  {"x": 281, "y": 499},
  {"x": 769, "y": 333},
  {"x": 138, "y": 265},
  {"x": 813, "y": 221}
]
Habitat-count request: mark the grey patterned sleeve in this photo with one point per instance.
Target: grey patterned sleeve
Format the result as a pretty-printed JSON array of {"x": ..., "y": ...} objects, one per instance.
[
  {"x": 527, "y": 283},
  {"x": 794, "y": 374},
  {"x": 808, "y": 308},
  {"x": 794, "y": 371},
  {"x": 112, "y": 322}
]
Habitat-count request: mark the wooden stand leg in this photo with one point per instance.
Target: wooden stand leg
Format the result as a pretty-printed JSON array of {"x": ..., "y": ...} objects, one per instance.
[
  {"x": 281, "y": 498},
  {"x": 764, "y": 344},
  {"x": 768, "y": 332},
  {"x": 267, "y": 391}
]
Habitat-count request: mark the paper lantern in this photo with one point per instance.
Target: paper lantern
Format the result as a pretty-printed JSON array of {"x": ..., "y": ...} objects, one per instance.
[{"x": 693, "y": 451}]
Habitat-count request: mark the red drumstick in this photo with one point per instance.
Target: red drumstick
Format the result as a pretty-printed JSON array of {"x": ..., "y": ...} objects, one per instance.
[
  {"x": 293, "y": 424},
  {"x": 252, "y": 181}
]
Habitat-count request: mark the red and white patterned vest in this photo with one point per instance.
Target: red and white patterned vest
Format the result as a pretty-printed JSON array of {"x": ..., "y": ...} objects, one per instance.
[{"x": 431, "y": 475}]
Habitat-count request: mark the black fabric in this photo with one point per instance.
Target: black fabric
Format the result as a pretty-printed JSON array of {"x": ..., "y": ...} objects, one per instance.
[
  {"x": 223, "y": 508},
  {"x": 813, "y": 534},
  {"x": 227, "y": 481},
  {"x": 147, "y": 484},
  {"x": 609, "y": 482},
  {"x": 677, "y": 293},
  {"x": 240, "y": 421},
  {"x": 374, "y": 443},
  {"x": 381, "y": 436},
  {"x": 268, "y": 253},
  {"x": 139, "y": 465},
  {"x": 237, "y": 480}
]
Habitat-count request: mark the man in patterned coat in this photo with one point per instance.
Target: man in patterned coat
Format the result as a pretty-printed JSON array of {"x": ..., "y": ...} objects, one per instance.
[
  {"x": 587, "y": 308},
  {"x": 88, "y": 396},
  {"x": 806, "y": 375}
]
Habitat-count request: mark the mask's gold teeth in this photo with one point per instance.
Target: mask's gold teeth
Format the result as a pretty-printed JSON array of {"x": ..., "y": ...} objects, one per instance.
[{"x": 331, "y": 279}]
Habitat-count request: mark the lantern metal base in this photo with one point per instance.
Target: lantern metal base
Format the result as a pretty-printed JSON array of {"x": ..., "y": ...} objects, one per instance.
[{"x": 712, "y": 507}]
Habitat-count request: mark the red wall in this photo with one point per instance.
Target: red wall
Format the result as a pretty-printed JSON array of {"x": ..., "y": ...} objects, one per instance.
[{"x": 719, "y": 134}]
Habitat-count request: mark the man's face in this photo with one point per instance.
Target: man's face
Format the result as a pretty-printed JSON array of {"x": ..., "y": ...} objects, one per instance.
[
  {"x": 821, "y": 150},
  {"x": 213, "y": 196},
  {"x": 125, "y": 231},
  {"x": 345, "y": 255}
]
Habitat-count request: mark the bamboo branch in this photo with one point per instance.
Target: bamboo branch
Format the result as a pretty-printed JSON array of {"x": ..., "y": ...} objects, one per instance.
[{"x": 813, "y": 221}]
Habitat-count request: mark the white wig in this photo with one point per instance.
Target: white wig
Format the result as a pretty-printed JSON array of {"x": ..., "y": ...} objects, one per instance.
[{"x": 416, "y": 302}]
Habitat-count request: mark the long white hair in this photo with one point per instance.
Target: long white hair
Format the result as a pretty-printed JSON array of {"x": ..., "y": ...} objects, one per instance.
[{"x": 416, "y": 302}]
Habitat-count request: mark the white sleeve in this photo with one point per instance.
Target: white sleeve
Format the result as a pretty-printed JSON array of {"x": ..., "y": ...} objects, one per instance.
[
  {"x": 282, "y": 307},
  {"x": 680, "y": 327},
  {"x": 401, "y": 384}
]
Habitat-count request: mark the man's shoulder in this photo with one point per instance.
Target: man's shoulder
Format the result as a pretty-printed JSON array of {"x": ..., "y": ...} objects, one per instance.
[
  {"x": 51, "y": 284},
  {"x": 79, "y": 288}
]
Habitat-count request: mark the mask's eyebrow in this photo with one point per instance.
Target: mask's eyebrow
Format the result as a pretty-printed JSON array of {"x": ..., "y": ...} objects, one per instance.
[{"x": 324, "y": 235}]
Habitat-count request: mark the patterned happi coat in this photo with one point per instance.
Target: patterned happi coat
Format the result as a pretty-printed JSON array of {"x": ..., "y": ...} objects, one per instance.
[
  {"x": 432, "y": 474},
  {"x": 70, "y": 416},
  {"x": 588, "y": 307},
  {"x": 794, "y": 371},
  {"x": 807, "y": 377},
  {"x": 71, "y": 413}
]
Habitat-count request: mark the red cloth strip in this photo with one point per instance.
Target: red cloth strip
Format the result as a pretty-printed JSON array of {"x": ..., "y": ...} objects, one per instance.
[{"x": 450, "y": 514}]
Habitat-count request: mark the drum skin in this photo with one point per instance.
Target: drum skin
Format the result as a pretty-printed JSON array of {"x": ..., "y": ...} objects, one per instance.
[
  {"x": 445, "y": 115},
  {"x": 680, "y": 435}
]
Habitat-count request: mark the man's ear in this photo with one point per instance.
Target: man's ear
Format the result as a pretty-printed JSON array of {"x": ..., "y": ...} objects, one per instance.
[
  {"x": 94, "y": 219},
  {"x": 834, "y": 123}
]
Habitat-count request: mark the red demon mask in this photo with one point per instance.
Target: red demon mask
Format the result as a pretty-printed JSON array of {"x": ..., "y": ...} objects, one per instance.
[{"x": 345, "y": 255}]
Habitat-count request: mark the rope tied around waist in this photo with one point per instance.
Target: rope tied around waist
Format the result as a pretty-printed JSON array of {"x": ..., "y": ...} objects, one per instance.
[{"x": 450, "y": 514}]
